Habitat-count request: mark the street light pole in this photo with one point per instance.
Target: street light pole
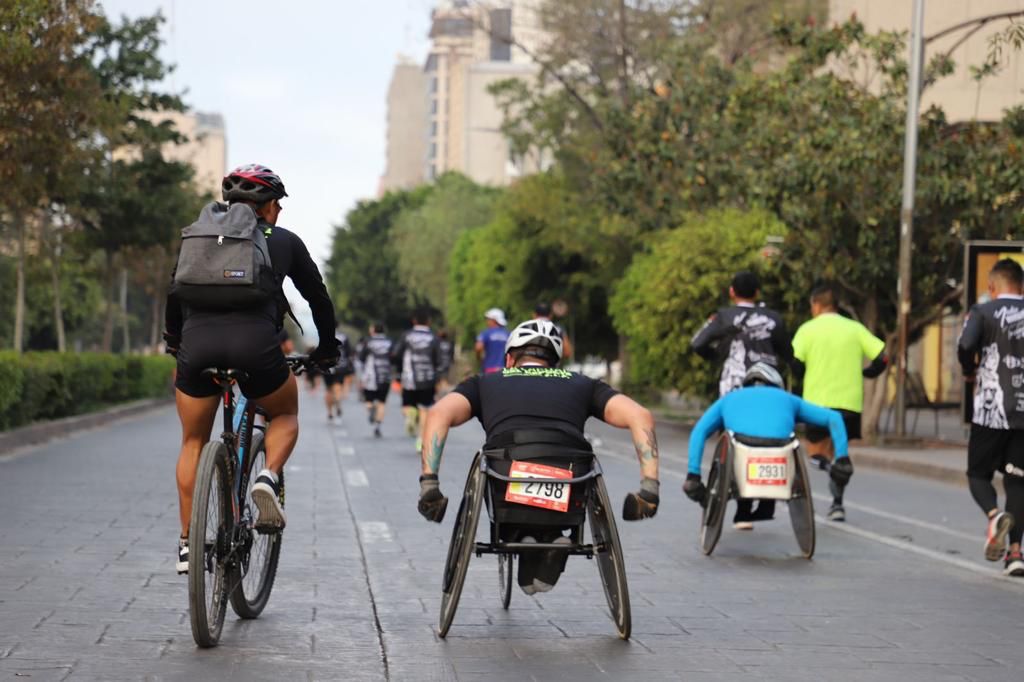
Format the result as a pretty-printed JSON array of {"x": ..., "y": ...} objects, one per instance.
[{"x": 907, "y": 213}]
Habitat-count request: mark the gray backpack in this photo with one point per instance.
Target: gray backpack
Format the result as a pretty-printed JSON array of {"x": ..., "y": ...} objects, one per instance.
[{"x": 224, "y": 262}]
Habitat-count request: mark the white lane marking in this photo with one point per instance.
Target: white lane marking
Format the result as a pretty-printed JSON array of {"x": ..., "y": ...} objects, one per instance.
[
  {"x": 356, "y": 478},
  {"x": 882, "y": 539},
  {"x": 375, "y": 531},
  {"x": 346, "y": 450}
]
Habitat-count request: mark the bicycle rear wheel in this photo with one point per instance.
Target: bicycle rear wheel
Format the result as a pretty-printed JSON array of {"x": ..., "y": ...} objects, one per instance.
[
  {"x": 461, "y": 548},
  {"x": 259, "y": 555},
  {"x": 608, "y": 552},
  {"x": 801, "y": 507},
  {"x": 719, "y": 485},
  {"x": 209, "y": 539}
]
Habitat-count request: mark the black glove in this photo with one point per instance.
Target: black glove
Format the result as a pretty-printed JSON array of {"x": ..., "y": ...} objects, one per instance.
[
  {"x": 642, "y": 504},
  {"x": 694, "y": 489},
  {"x": 325, "y": 356},
  {"x": 842, "y": 471},
  {"x": 432, "y": 503}
]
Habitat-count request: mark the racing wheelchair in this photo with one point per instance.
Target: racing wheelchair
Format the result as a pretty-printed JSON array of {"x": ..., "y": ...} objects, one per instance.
[
  {"x": 758, "y": 468},
  {"x": 542, "y": 482}
]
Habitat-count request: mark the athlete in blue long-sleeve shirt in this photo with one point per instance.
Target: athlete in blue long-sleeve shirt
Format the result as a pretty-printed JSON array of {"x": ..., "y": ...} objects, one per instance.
[{"x": 763, "y": 411}]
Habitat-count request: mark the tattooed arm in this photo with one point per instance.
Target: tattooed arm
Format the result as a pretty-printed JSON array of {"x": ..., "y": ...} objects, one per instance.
[
  {"x": 626, "y": 413},
  {"x": 452, "y": 410}
]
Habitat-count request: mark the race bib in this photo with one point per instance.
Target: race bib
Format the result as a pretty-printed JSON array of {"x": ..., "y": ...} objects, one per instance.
[
  {"x": 553, "y": 496},
  {"x": 768, "y": 470}
]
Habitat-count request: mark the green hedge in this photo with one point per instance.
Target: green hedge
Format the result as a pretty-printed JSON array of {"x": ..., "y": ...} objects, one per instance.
[{"x": 47, "y": 385}]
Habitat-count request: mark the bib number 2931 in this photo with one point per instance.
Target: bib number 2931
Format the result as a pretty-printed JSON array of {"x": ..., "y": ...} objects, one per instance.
[
  {"x": 768, "y": 470},
  {"x": 546, "y": 495}
]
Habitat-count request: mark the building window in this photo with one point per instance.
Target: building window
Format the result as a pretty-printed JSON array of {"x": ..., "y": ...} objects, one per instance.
[
  {"x": 433, "y": 128},
  {"x": 501, "y": 35},
  {"x": 433, "y": 84},
  {"x": 433, "y": 151},
  {"x": 433, "y": 105}
]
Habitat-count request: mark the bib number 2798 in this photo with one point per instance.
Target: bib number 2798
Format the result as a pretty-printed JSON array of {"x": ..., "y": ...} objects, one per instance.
[{"x": 546, "y": 495}]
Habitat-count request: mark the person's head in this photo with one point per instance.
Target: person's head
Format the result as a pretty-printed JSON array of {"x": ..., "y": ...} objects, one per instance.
[
  {"x": 542, "y": 309},
  {"x": 443, "y": 334},
  {"x": 823, "y": 299},
  {"x": 420, "y": 317},
  {"x": 763, "y": 374},
  {"x": 257, "y": 186},
  {"x": 745, "y": 286},
  {"x": 377, "y": 328},
  {"x": 1005, "y": 277},
  {"x": 534, "y": 341},
  {"x": 495, "y": 317}
]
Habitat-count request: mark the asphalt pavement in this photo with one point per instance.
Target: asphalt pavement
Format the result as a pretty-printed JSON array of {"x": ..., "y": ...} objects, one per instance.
[{"x": 88, "y": 589}]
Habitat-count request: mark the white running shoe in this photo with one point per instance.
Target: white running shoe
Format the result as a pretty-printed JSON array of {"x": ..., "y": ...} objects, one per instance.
[
  {"x": 266, "y": 495},
  {"x": 182, "y": 564},
  {"x": 995, "y": 539}
]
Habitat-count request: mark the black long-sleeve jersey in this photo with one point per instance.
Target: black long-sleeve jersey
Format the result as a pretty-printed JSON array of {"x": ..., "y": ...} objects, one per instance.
[
  {"x": 991, "y": 346},
  {"x": 738, "y": 337}
]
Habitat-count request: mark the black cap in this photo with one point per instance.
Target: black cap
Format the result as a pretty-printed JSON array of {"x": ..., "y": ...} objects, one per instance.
[
  {"x": 746, "y": 284},
  {"x": 543, "y": 309}
]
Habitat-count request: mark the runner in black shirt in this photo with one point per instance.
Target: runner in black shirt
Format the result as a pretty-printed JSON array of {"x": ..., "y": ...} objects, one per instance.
[
  {"x": 417, "y": 355},
  {"x": 375, "y": 358},
  {"x": 533, "y": 393}
]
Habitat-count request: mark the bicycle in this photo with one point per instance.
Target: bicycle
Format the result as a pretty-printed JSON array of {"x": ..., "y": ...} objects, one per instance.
[{"x": 236, "y": 561}]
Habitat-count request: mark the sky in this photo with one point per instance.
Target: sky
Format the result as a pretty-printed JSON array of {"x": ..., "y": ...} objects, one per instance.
[{"x": 302, "y": 86}]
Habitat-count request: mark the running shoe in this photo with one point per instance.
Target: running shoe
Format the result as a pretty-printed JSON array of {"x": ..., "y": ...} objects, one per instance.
[
  {"x": 182, "y": 565},
  {"x": 266, "y": 495},
  {"x": 1014, "y": 565},
  {"x": 743, "y": 525},
  {"x": 836, "y": 513},
  {"x": 528, "y": 562},
  {"x": 995, "y": 539}
]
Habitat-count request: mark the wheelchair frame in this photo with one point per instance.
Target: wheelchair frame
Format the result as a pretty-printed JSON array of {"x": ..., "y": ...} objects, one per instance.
[
  {"x": 605, "y": 545},
  {"x": 722, "y": 488}
]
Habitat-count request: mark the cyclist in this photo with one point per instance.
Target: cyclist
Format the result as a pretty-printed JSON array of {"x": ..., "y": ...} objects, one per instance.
[
  {"x": 990, "y": 350},
  {"x": 375, "y": 357},
  {"x": 418, "y": 357},
  {"x": 830, "y": 351},
  {"x": 338, "y": 381},
  {"x": 739, "y": 336},
  {"x": 246, "y": 340},
  {"x": 762, "y": 408},
  {"x": 532, "y": 393},
  {"x": 490, "y": 343}
]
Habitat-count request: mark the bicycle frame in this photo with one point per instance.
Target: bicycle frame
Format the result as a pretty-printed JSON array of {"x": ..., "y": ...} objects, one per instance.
[{"x": 239, "y": 422}]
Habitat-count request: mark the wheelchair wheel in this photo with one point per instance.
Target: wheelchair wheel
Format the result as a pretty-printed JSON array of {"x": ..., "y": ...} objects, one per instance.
[
  {"x": 719, "y": 487},
  {"x": 462, "y": 545},
  {"x": 801, "y": 507},
  {"x": 608, "y": 552},
  {"x": 505, "y": 564}
]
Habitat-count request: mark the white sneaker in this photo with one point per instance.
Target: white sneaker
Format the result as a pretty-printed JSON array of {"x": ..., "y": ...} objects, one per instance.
[
  {"x": 182, "y": 565},
  {"x": 266, "y": 495},
  {"x": 743, "y": 525}
]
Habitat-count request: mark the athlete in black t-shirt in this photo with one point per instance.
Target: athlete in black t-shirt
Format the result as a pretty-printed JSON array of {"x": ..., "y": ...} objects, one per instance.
[{"x": 533, "y": 393}]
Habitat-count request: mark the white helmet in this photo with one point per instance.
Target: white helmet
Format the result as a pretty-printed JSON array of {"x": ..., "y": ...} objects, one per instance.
[
  {"x": 542, "y": 333},
  {"x": 763, "y": 373}
]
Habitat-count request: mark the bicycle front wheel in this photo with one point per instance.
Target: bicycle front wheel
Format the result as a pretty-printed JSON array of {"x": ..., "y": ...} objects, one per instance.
[
  {"x": 208, "y": 544},
  {"x": 260, "y": 552}
]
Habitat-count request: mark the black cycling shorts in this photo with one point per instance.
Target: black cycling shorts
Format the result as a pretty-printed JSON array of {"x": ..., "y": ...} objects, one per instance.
[
  {"x": 250, "y": 345},
  {"x": 417, "y": 398},
  {"x": 338, "y": 376},
  {"x": 851, "y": 420},
  {"x": 990, "y": 450},
  {"x": 379, "y": 395}
]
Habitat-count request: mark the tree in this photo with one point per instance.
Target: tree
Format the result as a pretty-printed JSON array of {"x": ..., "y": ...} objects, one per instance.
[
  {"x": 424, "y": 236},
  {"x": 362, "y": 271}
]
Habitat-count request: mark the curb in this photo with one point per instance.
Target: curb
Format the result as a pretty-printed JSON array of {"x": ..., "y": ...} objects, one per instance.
[
  {"x": 41, "y": 432},
  {"x": 935, "y": 472}
]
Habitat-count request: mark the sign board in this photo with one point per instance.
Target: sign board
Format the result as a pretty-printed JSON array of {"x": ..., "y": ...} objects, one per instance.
[{"x": 979, "y": 257}]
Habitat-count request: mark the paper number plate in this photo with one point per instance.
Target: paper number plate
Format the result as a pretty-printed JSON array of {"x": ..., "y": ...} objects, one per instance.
[
  {"x": 554, "y": 496},
  {"x": 767, "y": 470}
]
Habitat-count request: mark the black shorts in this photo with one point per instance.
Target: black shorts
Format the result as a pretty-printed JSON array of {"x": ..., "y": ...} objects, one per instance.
[
  {"x": 417, "y": 398},
  {"x": 337, "y": 376},
  {"x": 379, "y": 395},
  {"x": 851, "y": 420},
  {"x": 990, "y": 450},
  {"x": 250, "y": 345}
]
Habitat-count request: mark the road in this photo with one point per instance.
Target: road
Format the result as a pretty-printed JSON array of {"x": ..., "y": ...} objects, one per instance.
[{"x": 88, "y": 589}]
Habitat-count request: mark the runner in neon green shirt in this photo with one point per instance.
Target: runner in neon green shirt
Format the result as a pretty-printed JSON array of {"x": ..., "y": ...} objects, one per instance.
[{"x": 831, "y": 350}]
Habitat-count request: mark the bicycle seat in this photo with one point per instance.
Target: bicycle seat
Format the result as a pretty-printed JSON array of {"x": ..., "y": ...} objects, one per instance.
[
  {"x": 225, "y": 375},
  {"x": 756, "y": 442}
]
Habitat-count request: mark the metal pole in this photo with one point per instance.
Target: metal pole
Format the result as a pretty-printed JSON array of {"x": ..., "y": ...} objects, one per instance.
[{"x": 907, "y": 213}]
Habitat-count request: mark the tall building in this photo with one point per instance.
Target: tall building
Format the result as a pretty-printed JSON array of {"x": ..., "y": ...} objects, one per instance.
[
  {"x": 460, "y": 124},
  {"x": 960, "y": 95}
]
